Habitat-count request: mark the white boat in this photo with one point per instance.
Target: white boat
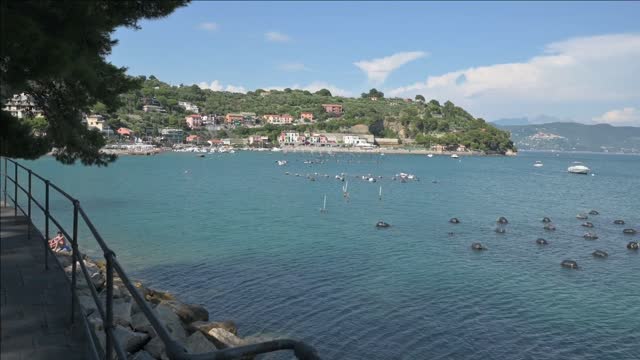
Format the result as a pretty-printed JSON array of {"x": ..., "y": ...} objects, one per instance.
[
  {"x": 578, "y": 168},
  {"x": 282, "y": 162},
  {"x": 430, "y": 155},
  {"x": 538, "y": 164},
  {"x": 455, "y": 156},
  {"x": 276, "y": 149}
]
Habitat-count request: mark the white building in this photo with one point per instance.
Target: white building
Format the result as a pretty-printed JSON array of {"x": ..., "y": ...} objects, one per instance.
[
  {"x": 189, "y": 107},
  {"x": 281, "y": 119},
  {"x": 354, "y": 140},
  {"x": 22, "y": 105},
  {"x": 175, "y": 136}
]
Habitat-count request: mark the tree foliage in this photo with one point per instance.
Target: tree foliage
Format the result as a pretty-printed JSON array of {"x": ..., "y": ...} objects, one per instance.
[{"x": 56, "y": 52}]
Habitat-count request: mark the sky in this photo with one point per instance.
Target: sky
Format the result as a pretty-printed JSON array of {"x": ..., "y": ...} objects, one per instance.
[{"x": 575, "y": 61}]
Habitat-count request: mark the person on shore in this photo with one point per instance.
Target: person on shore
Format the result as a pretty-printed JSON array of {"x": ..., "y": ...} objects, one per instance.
[{"x": 59, "y": 243}]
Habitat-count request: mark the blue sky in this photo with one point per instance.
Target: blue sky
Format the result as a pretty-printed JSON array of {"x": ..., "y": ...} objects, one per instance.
[{"x": 571, "y": 60}]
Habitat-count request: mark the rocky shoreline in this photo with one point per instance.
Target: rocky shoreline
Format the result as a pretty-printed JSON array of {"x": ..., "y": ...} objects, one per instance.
[{"x": 188, "y": 324}]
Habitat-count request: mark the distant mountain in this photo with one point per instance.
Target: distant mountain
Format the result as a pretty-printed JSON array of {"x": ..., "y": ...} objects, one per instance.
[
  {"x": 540, "y": 119},
  {"x": 565, "y": 136}
]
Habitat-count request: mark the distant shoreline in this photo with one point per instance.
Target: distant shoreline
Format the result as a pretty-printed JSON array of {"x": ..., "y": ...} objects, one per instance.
[{"x": 382, "y": 151}]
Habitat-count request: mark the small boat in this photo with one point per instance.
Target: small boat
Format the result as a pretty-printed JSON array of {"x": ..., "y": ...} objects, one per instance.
[
  {"x": 455, "y": 156},
  {"x": 276, "y": 149},
  {"x": 282, "y": 162},
  {"x": 578, "y": 168},
  {"x": 381, "y": 225},
  {"x": 430, "y": 155},
  {"x": 538, "y": 164}
]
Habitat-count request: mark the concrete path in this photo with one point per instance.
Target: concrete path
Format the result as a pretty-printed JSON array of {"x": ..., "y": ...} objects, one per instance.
[{"x": 35, "y": 303}]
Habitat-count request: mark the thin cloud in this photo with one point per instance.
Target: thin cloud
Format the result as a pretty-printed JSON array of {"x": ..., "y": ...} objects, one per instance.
[
  {"x": 209, "y": 26},
  {"x": 628, "y": 116},
  {"x": 293, "y": 67},
  {"x": 276, "y": 36},
  {"x": 215, "y": 85},
  {"x": 577, "y": 71},
  {"x": 378, "y": 70}
]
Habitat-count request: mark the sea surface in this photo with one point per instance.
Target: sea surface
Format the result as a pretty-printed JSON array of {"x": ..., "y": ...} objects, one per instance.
[{"x": 235, "y": 233}]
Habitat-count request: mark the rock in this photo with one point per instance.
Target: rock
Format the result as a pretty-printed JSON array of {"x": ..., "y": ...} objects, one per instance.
[
  {"x": 130, "y": 340},
  {"x": 188, "y": 313},
  {"x": 155, "y": 297},
  {"x": 478, "y": 247},
  {"x": 88, "y": 305},
  {"x": 204, "y": 327},
  {"x": 600, "y": 254},
  {"x": 155, "y": 347},
  {"x": 571, "y": 264},
  {"x": 618, "y": 222},
  {"x": 197, "y": 343},
  {"x": 224, "y": 339},
  {"x": 454, "y": 221},
  {"x": 141, "y": 355},
  {"x": 172, "y": 322},
  {"x": 139, "y": 322},
  {"x": 122, "y": 312}
]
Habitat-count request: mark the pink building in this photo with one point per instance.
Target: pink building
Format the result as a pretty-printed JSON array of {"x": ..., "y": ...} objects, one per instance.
[
  {"x": 123, "y": 131},
  {"x": 193, "y": 138},
  {"x": 306, "y": 116},
  {"x": 194, "y": 121},
  {"x": 333, "y": 108}
]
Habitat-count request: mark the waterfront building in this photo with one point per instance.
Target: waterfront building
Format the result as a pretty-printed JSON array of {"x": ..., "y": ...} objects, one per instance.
[
  {"x": 258, "y": 140},
  {"x": 174, "y": 136}
]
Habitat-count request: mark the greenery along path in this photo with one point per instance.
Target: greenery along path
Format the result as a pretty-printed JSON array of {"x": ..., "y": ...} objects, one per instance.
[{"x": 36, "y": 303}]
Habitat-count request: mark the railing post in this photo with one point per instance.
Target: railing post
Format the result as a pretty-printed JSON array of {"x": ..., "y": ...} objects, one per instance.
[
  {"x": 46, "y": 225},
  {"x": 15, "y": 191},
  {"x": 29, "y": 208},
  {"x": 6, "y": 177},
  {"x": 74, "y": 255},
  {"x": 109, "y": 325}
]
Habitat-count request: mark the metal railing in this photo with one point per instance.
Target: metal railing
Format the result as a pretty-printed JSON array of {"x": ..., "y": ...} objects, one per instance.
[{"x": 174, "y": 350}]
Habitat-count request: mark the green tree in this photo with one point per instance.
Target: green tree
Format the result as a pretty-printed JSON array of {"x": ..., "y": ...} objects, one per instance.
[
  {"x": 74, "y": 39},
  {"x": 420, "y": 98},
  {"x": 323, "y": 92}
]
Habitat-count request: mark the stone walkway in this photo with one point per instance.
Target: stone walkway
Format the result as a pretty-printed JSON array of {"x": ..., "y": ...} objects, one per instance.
[{"x": 35, "y": 303}]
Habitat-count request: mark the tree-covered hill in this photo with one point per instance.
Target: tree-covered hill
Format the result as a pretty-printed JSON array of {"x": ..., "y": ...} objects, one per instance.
[{"x": 424, "y": 122}]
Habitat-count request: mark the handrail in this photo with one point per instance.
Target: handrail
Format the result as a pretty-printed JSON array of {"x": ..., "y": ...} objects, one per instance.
[{"x": 174, "y": 350}]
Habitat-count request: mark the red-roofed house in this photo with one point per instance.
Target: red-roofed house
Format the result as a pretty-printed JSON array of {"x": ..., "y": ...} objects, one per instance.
[
  {"x": 123, "y": 131},
  {"x": 193, "y": 138},
  {"x": 306, "y": 115},
  {"x": 194, "y": 121},
  {"x": 215, "y": 142}
]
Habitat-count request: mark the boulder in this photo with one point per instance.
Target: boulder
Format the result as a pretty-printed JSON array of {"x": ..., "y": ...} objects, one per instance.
[
  {"x": 204, "y": 327},
  {"x": 88, "y": 305},
  {"x": 130, "y": 340},
  {"x": 156, "y": 297},
  {"x": 172, "y": 322},
  {"x": 188, "y": 313},
  {"x": 139, "y": 322},
  {"x": 155, "y": 347},
  {"x": 224, "y": 339},
  {"x": 197, "y": 343},
  {"x": 122, "y": 312},
  {"x": 141, "y": 355}
]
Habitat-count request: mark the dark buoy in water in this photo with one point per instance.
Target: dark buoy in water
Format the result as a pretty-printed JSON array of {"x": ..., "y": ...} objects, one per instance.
[
  {"x": 550, "y": 227},
  {"x": 570, "y": 264},
  {"x": 590, "y": 236},
  {"x": 502, "y": 220},
  {"x": 587, "y": 224},
  {"x": 478, "y": 247},
  {"x": 451, "y": 233},
  {"x": 594, "y": 212},
  {"x": 542, "y": 241},
  {"x": 633, "y": 245},
  {"x": 454, "y": 221},
  {"x": 582, "y": 217},
  {"x": 546, "y": 220},
  {"x": 600, "y": 254},
  {"x": 618, "y": 222},
  {"x": 629, "y": 231},
  {"x": 500, "y": 230},
  {"x": 381, "y": 225}
]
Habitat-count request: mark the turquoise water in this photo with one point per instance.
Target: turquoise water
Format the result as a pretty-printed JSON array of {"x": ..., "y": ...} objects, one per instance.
[{"x": 234, "y": 233}]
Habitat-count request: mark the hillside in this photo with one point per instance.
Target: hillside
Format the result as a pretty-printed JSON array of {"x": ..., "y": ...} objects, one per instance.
[
  {"x": 424, "y": 123},
  {"x": 576, "y": 137}
]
